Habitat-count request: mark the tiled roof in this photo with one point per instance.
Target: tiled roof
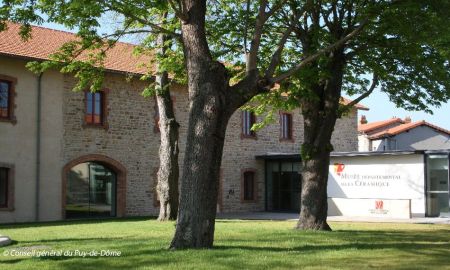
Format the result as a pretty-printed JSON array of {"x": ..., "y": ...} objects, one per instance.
[
  {"x": 405, "y": 127},
  {"x": 346, "y": 101},
  {"x": 366, "y": 128},
  {"x": 45, "y": 41}
]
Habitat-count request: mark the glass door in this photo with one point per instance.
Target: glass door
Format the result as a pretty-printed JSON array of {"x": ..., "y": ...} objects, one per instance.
[
  {"x": 283, "y": 182},
  {"x": 102, "y": 191},
  {"x": 438, "y": 204},
  {"x": 90, "y": 191}
]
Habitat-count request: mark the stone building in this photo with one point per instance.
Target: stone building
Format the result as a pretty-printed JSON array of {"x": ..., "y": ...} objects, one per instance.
[{"x": 66, "y": 154}]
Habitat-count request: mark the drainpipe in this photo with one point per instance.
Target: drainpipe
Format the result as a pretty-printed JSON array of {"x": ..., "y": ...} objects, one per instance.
[{"x": 38, "y": 144}]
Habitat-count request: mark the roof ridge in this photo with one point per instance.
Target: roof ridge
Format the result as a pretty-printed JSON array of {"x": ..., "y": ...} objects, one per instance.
[
  {"x": 407, "y": 126},
  {"x": 66, "y": 32},
  {"x": 378, "y": 124}
]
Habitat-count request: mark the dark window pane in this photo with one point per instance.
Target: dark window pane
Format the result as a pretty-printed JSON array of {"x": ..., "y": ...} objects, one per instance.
[
  {"x": 249, "y": 186},
  {"x": 4, "y": 99},
  {"x": 3, "y": 187},
  {"x": 89, "y": 103},
  {"x": 286, "y": 126},
  {"x": 248, "y": 119}
]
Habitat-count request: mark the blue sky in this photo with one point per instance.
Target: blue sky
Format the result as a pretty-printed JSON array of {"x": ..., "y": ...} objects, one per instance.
[{"x": 380, "y": 106}]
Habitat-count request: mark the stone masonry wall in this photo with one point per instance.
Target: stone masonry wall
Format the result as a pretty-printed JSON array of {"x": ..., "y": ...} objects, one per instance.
[
  {"x": 131, "y": 139},
  {"x": 239, "y": 154}
]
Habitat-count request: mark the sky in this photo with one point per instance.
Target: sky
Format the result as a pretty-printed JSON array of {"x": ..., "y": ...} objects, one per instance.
[
  {"x": 381, "y": 109},
  {"x": 378, "y": 102}
]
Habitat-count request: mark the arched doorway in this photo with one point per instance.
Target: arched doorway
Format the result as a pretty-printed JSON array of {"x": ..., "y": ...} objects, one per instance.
[{"x": 94, "y": 187}]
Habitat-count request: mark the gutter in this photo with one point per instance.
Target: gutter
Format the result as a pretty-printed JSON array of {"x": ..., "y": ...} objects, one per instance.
[{"x": 38, "y": 145}]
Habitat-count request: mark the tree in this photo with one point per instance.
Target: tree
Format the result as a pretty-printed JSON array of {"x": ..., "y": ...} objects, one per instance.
[
  {"x": 270, "y": 34},
  {"x": 168, "y": 171},
  {"x": 404, "y": 46}
]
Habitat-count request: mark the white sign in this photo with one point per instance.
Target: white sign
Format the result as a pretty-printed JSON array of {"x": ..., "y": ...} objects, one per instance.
[{"x": 380, "y": 177}]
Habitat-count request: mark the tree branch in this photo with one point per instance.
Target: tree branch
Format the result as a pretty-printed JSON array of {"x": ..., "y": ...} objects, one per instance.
[
  {"x": 179, "y": 12},
  {"x": 144, "y": 21},
  {"x": 130, "y": 32},
  {"x": 374, "y": 84},
  {"x": 246, "y": 27},
  {"x": 256, "y": 40},
  {"x": 275, "y": 8},
  {"x": 276, "y": 57},
  {"x": 319, "y": 53}
]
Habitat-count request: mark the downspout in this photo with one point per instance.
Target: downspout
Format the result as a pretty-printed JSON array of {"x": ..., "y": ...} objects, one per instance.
[{"x": 38, "y": 145}]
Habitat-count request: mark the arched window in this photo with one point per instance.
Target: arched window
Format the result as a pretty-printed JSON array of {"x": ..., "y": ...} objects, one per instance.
[
  {"x": 94, "y": 186},
  {"x": 91, "y": 191}
]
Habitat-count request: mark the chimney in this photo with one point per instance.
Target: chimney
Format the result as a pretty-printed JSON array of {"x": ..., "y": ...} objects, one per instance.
[
  {"x": 363, "y": 120},
  {"x": 407, "y": 120}
]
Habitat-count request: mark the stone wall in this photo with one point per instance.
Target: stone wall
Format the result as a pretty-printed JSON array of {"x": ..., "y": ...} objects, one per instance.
[
  {"x": 239, "y": 154},
  {"x": 131, "y": 139}
]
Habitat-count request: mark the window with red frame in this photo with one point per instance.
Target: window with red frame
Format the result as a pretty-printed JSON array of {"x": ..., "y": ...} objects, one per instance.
[
  {"x": 286, "y": 126},
  {"x": 4, "y": 187},
  {"x": 5, "y": 99},
  {"x": 248, "y": 120},
  {"x": 94, "y": 108}
]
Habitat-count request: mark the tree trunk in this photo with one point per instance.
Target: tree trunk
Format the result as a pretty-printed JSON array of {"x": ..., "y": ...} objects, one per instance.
[
  {"x": 212, "y": 101},
  {"x": 208, "y": 120},
  {"x": 168, "y": 171},
  {"x": 320, "y": 114},
  {"x": 314, "y": 205}
]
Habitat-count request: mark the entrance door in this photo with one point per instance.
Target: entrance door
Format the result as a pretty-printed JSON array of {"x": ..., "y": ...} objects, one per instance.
[
  {"x": 90, "y": 191},
  {"x": 284, "y": 186},
  {"x": 438, "y": 186}
]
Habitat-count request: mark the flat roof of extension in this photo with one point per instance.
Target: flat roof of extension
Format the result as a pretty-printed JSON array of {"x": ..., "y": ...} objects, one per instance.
[{"x": 297, "y": 157}]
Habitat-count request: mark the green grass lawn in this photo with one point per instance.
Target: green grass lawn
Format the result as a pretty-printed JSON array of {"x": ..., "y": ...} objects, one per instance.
[{"x": 238, "y": 245}]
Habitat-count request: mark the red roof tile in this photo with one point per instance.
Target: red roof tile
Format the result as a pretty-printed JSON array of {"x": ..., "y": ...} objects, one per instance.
[
  {"x": 405, "y": 127},
  {"x": 379, "y": 124},
  {"x": 45, "y": 41},
  {"x": 346, "y": 101}
]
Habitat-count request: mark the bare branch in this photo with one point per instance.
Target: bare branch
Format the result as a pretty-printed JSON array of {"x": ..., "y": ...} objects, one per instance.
[
  {"x": 130, "y": 32},
  {"x": 275, "y": 8},
  {"x": 158, "y": 29},
  {"x": 256, "y": 40},
  {"x": 246, "y": 26},
  {"x": 179, "y": 12},
  {"x": 276, "y": 57},
  {"x": 319, "y": 53},
  {"x": 369, "y": 91}
]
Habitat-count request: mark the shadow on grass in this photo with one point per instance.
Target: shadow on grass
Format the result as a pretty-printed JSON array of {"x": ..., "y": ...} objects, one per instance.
[
  {"x": 441, "y": 235},
  {"x": 62, "y": 240},
  {"x": 358, "y": 246},
  {"x": 232, "y": 256},
  {"x": 242, "y": 249},
  {"x": 73, "y": 222}
]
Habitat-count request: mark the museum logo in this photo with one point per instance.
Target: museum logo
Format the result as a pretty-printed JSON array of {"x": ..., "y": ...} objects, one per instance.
[
  {"x": 379, "y": 205},
  {"x": 379, "y": 208},
  {"x": 339, "y": 168}
]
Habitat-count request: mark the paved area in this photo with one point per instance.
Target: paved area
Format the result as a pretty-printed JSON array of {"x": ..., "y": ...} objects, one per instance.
[{"x": 294, "y": 216}]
